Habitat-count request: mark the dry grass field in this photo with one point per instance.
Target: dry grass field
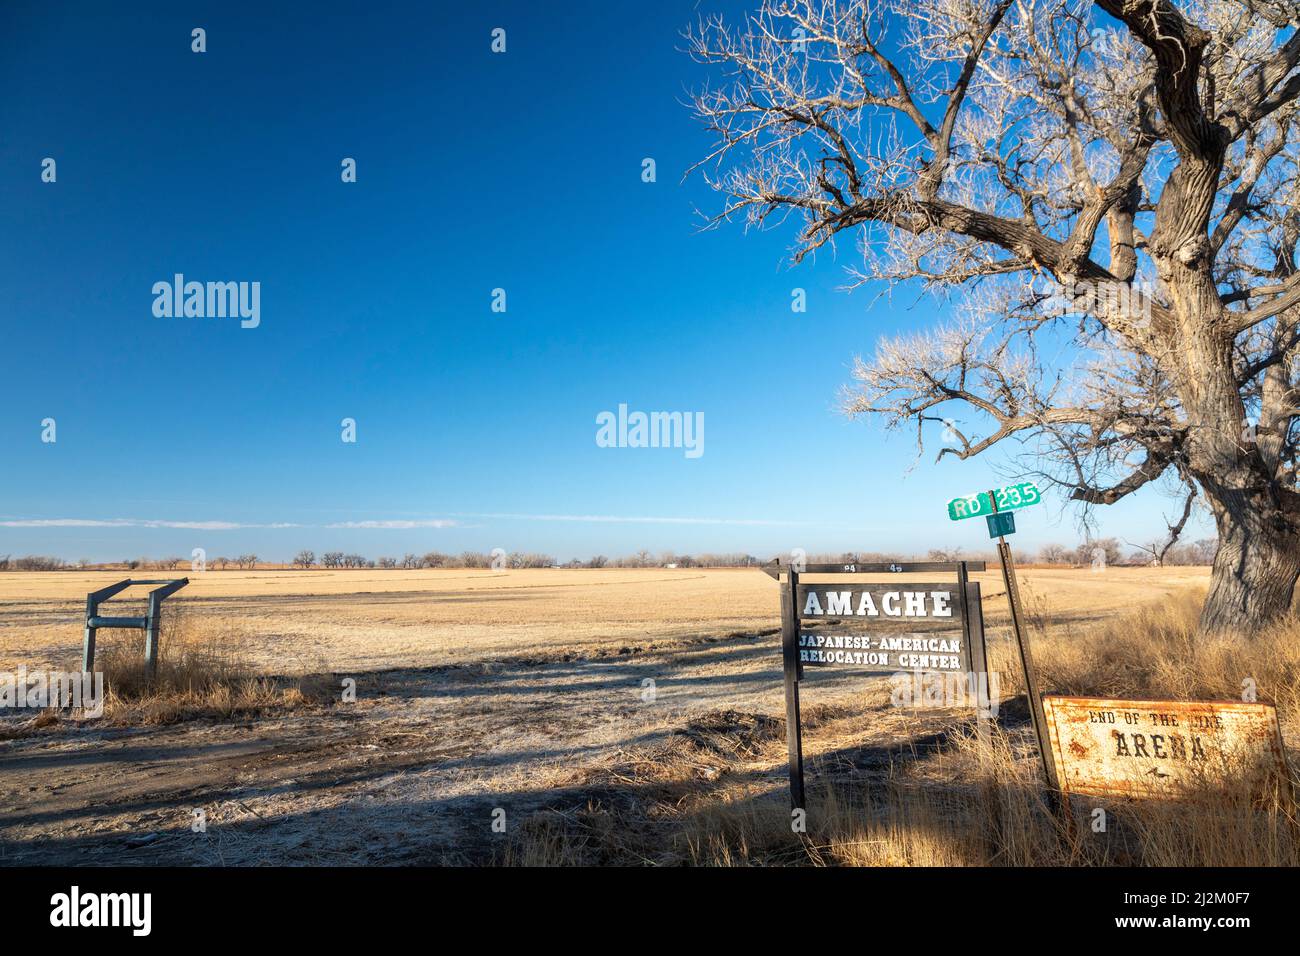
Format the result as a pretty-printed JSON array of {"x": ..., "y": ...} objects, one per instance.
[
  {"x": 370, "y": 620},
  {"x": 603, "y": 716}
]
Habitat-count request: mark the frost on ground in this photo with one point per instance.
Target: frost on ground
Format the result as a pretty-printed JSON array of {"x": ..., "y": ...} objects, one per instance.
[{"x": 414, "y": 770}]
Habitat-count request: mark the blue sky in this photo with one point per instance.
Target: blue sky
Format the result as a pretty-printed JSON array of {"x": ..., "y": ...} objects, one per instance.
[{"x": 476, "y": 171}]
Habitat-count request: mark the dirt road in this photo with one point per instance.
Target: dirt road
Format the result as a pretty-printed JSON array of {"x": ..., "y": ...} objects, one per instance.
[
  {"x": 529, "y": 694},
  {"x": 410, "y": 773}
]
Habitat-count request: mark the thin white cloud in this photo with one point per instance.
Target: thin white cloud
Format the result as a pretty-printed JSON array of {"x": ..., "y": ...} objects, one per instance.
[
  {"x": 216, "y": 525},
  {"x": 395, "y": 525},
  {"x": 385, "y": 524},
  {"x": 628, "y": 519},
  {"x": 135, "y": 523},
  {"x": 63, "y": 523}
]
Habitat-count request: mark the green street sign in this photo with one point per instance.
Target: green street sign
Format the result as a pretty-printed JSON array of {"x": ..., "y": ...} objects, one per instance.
[
  {"x": 1001, "y": 523},
  {"x": 1020, "y": 495},
  {"x": 971, "y": 506}
]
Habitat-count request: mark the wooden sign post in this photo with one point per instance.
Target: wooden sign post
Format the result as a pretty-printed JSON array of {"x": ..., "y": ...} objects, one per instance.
[
  {"x": 790, "y": 660},
  {"x": 880, "y": 650}
]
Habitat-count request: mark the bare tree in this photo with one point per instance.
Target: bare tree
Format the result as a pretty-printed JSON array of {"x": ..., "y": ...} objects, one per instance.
[
  {"x": 1161, "y": 550},
  {"x": 1054, "y": 554},
  {"x": 1099, "y": 551},
  {"x": 1116, "y": 197},
  {"x": 944, "y": 554},
  {"x": 1201, "y": 552},
  {"x": 40, "y": 562},
  {"x": 304, "y": 559}
]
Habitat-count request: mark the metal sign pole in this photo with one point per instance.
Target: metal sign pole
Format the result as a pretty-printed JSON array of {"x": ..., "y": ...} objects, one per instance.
[
  {"x": 790, "y": 655},
  {"x": 1026, "y": 659}
]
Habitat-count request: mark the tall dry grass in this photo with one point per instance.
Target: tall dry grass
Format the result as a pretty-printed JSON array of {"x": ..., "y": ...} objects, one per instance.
[
  {"x": 991, "y": 810},
  {"x": 204, "y": 671},
  {"x": 1155, "y": 653},
  {"x": 982, "y": 802},
  {"x": 1003, "y": 817}
]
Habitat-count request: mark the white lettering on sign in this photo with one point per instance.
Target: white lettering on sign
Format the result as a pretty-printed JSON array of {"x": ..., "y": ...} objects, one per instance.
[
  {"x": 839, "y": 603},
  {"x": 905, "y": 651},
  {"x": 900, "y": 603},
  {"x": 1162, "y": 747}
]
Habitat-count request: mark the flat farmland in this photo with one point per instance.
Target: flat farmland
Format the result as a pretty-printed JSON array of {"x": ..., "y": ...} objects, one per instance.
[
  {"x": 540, "y": 693},
  {"x": 372, "y": 620}
]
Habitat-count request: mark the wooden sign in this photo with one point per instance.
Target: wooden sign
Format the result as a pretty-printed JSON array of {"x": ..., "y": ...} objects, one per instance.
[
  {"x": 1161, "y": 748},
  {"x": 888, "y": 632},
  {"x": 886, "y": 650}
]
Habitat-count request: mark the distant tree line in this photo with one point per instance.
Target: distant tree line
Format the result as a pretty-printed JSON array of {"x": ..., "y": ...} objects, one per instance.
[
  {"x": 1154, "y": 553},
  {"x": 41, "y": 562},
  {"x": 1109, "y": 551},
  {"x": 32, "y": 562}
]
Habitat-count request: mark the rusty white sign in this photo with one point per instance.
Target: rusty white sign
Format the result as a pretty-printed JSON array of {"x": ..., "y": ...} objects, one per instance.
[{"x": 1161, "y": 748}]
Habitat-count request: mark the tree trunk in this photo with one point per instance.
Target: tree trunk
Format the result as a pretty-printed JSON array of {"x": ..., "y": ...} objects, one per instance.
[
  {"x": 1258, "y": 560},
  {"x": 1255, "y": 571}
]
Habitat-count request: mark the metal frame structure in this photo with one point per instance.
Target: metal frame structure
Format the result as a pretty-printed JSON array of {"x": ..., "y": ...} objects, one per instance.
[{"x": 149, "y": 623}]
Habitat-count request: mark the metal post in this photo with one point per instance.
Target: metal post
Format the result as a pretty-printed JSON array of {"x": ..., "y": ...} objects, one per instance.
[
  {"x": 1026, "y": 658},
  {"x": 88, "y": 642},
  {"x": 152, "y": 620},
  {"x": 790, "y": 658},
  {"x": 149, "y": 623}
]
